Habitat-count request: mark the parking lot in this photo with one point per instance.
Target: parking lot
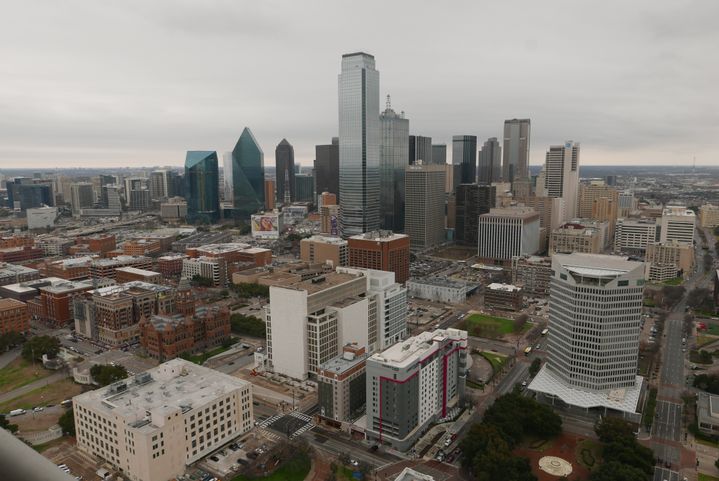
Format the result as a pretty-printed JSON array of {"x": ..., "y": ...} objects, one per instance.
[{"x": 80, "y": 464}]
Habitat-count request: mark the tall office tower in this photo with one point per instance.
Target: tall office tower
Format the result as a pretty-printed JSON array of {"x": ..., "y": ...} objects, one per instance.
[
  {"x": 391, "y": 300},
  {"x": 158, "y": 184},
  {"x": 227, "y": 176},
  {"x": 677, "y": 224},
  {"x": 490, "y": 162},
  {"x": 595, "y": 311},
  {"x": 561, "y": 171},
  {"x": 82, "y": 196},
  {"x": 632, "y": 236},
  {"x": 394, "y": 135},
  {"x": 139, "y": 199},
  {"x": 439, "y": 154},
  {"x": 327, "y": 167},
  {"x": 381, "y": 250},
  {"x": 424, "y": 208},
  {"x": 111, "y": 197},
  {"x": 359, "y": 144},
  {"x": 304, "y": 188},
  {"x": 23, "y": 194},
  {"x": 515, "y": 161},
  {"x": 248, "y": 176},
  {"x": 507, "y": 233},
  {"x": 285, "y": 172},
  {"x": 414, "y": 383},
  {"x": 420, "y": 148},
  {"x": 269, "y": 194},
  {"x": 627, "y": 204},
  {"x": 201, "y": 187},
  {"x": 308, "y": 321},
  {"x": 589, "y": 193},
  {"x": 464, "y": 153},
  {"x": 471, "y": 201}
]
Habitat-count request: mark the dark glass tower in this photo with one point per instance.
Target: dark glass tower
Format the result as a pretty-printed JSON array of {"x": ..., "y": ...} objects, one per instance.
[
  {"x": 327, "y": 168},
  {"x": 490, "y": 162},
  {"x": 201, "y": 187},
  {"x": 464, "y": 153},
  {"x": 285, "y": 171},
  {"x": 248, "y": 176},
  {"x": 472, "y": 201}
]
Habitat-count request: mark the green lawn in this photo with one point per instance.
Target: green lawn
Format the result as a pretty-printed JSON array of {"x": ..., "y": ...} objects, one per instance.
[
  {"x": 712, "y": 329},
  {"x": 490, "y": 326},
  {"x": 673, "y": 282},
  {"x": 20, "y": 373},
  {"x": 496, "y": 360},
  {"x": 589, "y": 453},
  {"x": 649, "y": 302},
  {"x": 706, "y": 477},
  {"x": 704, "y": 340},
  {"x": 650, "y": 408},
  {"x": 295, "y": 469}
]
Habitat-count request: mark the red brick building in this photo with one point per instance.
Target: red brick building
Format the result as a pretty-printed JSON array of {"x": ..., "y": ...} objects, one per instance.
[
  {"x": 14, "y": 316},
  {"x": 170, "y": 265},
  {"x": 98, "y": 243},
  {"x": 16, "y": 241},
  {"x": 166, "y": 337},
  {"x": 20, "y": 254},
  {"x": 56, "y": 301},
  {"x": 381, "y": 250}
]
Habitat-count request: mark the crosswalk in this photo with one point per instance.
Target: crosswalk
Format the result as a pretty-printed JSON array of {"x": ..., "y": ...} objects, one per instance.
[
  {"x": 270, "y": 420},
  {"x": 303, "y": 417},
  {"x": 264, "y": 425}
]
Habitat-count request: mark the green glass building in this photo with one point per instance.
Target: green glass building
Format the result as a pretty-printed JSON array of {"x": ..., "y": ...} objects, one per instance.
[
  {"x": 202, "y": 187},
  {"x": 248, "y": 176}
]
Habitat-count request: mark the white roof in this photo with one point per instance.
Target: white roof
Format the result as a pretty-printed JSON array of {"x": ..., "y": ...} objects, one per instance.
[
  {"x": 496, "y": 286},
  {"x": 625, "y": 400}
]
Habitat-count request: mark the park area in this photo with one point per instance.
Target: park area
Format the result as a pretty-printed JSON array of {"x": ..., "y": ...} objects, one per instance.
[
  {"x": 53, "y": 393},
  {"x": 583, "y": 454},
  {"x": 20, "y": 373},
  {"x": 482, "y": 325}
]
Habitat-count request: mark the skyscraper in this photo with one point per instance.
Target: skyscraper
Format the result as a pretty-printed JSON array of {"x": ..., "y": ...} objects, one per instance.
[
  {"x": 201, "y": 187},
  {"x": 248, "y": 176},
  {"x": 285, "y": 171},
  {"x": 516, "y": 149},
  {"x": 420, "y": 148},
  {"x": 490, "y": 162},
  {"x": 424, "y": 207},
  {"x": 595, "y": 309},
  {"x": 393, "y": 159},
  {"x": 359, "y": 144},
  {"x": 471, "y": 201},
  {"x": 327, "y": 167},
  {"x": 561, "y": 176},
  {"x": 464, "y": 153},
  {"x": 82, "y": 196},
  {"x": 304, "y": 188},
  {"x": 439, "y": 154}
]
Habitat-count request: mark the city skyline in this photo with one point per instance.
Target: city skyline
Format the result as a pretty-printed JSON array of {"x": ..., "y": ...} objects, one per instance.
[{"x": 639, "y": 90}]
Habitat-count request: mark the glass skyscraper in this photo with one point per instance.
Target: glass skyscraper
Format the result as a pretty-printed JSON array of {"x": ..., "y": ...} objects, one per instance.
[
  {"x": 285, "y": 171},
  {"x": 393, "y": 160},
  {"x": 359, "y": 144},
  {"x": 464, "y": 153},
  {"x": 201, "y": 187},
  {"x": 248, "y": 176},
  {"x": 490, "y": 162},
  {"x": 515, "y": 163},
  {"x": 327, "y": 167}
]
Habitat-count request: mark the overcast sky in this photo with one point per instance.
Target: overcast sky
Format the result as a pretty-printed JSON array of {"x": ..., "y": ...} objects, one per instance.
[{"x": 138, "y": 83}]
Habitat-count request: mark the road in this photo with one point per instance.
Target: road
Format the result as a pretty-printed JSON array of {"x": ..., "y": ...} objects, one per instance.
[
  {"x": 335, "y": 444},
  {"x": 58, "y": 376}
]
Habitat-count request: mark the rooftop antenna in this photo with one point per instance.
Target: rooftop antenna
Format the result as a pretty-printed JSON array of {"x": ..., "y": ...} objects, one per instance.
[
  {"x": 389, "y": 103},
  {"x": 694, "y": 165}
]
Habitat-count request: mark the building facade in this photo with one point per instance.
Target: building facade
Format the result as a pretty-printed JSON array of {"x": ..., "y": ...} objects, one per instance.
[
  {"x": 561, "y": 170},
  {"x": 515, "y": 151},
  {"x": 154, "y": 425},
  {"x": 327, "y": 167},
  {"x": 201, "y": 187},
  {"x": 472, "y": 200},
  {"x": 424, "y": 205},
  {"x": 490, "y": 162},
  {"x": 359, "y": 142},
  {"x": 508, "y": 233},
  {"x": 464, "y": 154},
  {"x": 285, "y": 172},
  {"x": 324, "y": 250},
  {"x": 14, "y": 317},
  {"x": 248, "y": 176},
  {"x": 394, "y": 135},
  {"x": 413, "y": 384},
  {"x": 381, "y": 250},
  {"x": 420, "y": 149}
]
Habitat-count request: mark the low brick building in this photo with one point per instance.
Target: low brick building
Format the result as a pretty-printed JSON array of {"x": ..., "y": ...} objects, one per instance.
[{"x": 14, "y": 316}]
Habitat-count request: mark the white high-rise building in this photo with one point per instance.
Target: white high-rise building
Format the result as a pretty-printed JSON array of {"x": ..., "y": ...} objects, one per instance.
[
  {"x": 359, "y": 141},
  {"x": 561, "y": 176},
  {"x": 506, "y": 233},
  {"x": 634, "y": 235},
  {"x": 391, "y": 301},
  {"x": 595, "y": 308},
  {"x": 677, "y": 224},
  {"x": 154, "y": 425},
  {"x": 308, "y": 322}
]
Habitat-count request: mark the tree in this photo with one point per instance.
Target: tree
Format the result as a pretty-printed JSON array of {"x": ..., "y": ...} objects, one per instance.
[
  {"x": 707, "y": 382},
  {"x": 535, "y": 367},
  {"x": 615, "y": 471},
  {"x": 67, "y": 422},
  {"x": 246, "y": 290},
  {"x": 104, "y": 374},
  {"x": 629, "y": 459},
  {"x": 5, "y": 424},
  {"x": 520, "y": 321},
  {"x": 34, "y": 349},
  {"x": 248, "y": 325},
  {"x": 10, "y": 339},
  {"x": 201, "y": 281},
  {"x": 697, "y": 296},
  {"x": 670, "y": 295}
]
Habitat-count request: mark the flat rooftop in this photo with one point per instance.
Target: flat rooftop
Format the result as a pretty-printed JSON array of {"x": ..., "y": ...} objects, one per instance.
[
  {"x": 315, "y": 284},
  {"x": 596, "y": 264},
  {"x": 66, "y": 286},
  {"x": 171, "y": 386},
  {"x": 496, "y": 286},
  {"x": 8, "y": 269},
  {"x": 136, "y": 271},
  {"x": 518, "y": 212},
  {"x": 324, "y": 239},
  {"x": 118, "y": 288},
  {"x": 439, "y": 282},
  {"x": 379, "y": 236},
  {"x": 410, "y": 350},
  {"x": 222, "y": 248},
  {"x": 339, "y": 364}
]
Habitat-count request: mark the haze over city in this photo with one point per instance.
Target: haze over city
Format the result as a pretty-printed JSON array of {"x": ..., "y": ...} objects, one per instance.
[{"x": 89, "y": 84}]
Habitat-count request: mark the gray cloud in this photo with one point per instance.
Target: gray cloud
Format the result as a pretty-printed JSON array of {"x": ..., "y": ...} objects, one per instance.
[{"x": 139, "y": 83}]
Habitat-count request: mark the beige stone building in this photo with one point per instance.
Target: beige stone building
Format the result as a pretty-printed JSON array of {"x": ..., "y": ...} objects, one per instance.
[
  {"x": 322, "y": 250},
  {"x": 151, "y": 426},
  {"x": 578, "y": 237},
  {"x": 665, "y": 260},
  {"x": 709, "y": 215}
]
